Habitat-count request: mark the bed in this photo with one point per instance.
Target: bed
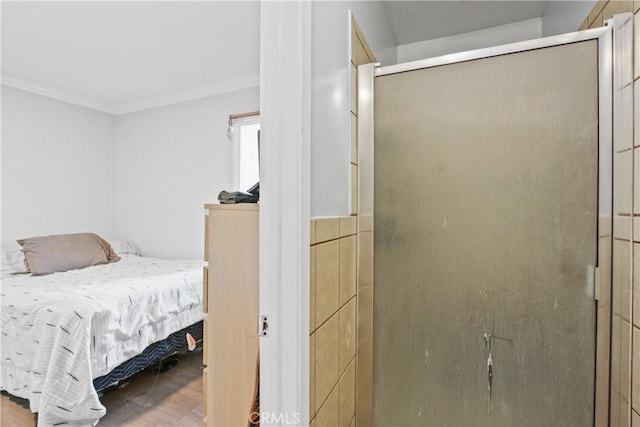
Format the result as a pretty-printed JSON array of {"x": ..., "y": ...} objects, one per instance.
[{"x": 66, "y": 334}]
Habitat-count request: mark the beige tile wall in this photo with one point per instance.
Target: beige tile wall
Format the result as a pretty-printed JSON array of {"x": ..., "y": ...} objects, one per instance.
[
  {"x": 334, "y": 286},
  {"x": 625, "y": 336},
  {"x": 333, "y": 321}
]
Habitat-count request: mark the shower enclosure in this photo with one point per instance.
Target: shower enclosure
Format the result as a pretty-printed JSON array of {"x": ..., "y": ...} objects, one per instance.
[{"x": 487, "y": 178}]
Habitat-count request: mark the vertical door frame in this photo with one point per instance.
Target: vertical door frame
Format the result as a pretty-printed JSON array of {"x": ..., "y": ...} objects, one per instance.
[
  {"x": 364, "y": 365},
  {"x": 285, "y": 108},
  {"x": 601, "y": 283}
]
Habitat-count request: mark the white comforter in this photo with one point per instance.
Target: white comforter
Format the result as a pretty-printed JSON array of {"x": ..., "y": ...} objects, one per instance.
[{"x": 61, "y": 331}]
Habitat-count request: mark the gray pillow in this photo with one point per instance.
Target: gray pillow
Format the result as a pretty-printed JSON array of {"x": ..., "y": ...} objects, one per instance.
[{"x": 50, "y": 254}]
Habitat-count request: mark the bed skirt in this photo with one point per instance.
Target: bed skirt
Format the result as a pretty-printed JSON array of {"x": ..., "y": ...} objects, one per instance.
[{"x": 155, "y": 352}]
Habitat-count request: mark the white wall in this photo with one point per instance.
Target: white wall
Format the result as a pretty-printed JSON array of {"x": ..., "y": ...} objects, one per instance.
[
  {"x": 495, "y": 36},
  {"x": 57, "y": 167},
  {"x": 142, "y": 176},
  {"x": 170, "y": 161},
  {"x": 565, "y": 16},
  {"x": 330, "y": 94}
]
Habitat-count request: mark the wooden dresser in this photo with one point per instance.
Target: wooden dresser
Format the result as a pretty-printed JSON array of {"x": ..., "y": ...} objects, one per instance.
[{"x": 231, "y": 301}]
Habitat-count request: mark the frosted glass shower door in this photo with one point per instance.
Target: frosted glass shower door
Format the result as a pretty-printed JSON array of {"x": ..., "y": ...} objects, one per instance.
[{"x": 486, "y": 239}]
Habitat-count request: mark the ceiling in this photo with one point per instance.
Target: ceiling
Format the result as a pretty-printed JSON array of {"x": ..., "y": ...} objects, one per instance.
[
  {"x": 414, "y": 21},
  {"x": 120, "y": 53},
  {"x": 121, "y": 56}
]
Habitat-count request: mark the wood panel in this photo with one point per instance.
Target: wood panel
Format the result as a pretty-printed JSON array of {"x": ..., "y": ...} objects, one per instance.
[{"x": 232, "y": 343}]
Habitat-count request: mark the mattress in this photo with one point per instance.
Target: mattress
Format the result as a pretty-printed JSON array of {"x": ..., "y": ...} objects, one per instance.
[
  {"x": 174, "y": 344},
  {"x": 61, "y": 331}
]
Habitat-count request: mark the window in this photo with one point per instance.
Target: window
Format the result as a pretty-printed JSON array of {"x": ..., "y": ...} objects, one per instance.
[{"x": 244, "y": 132}]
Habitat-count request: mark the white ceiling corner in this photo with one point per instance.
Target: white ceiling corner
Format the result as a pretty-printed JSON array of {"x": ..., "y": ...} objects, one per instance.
[
  {"x": 216, "y": 88},
  {"x": 19, "y": 83}
]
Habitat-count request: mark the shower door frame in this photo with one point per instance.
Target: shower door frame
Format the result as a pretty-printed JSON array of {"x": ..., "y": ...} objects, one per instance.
[{"x": 607, "y": 57}]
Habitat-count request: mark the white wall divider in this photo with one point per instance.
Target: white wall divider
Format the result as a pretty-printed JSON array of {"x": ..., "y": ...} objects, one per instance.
[{"x": 285, "y": 208}]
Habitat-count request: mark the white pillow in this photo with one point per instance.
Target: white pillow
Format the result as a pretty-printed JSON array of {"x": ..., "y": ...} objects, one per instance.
[
  {"x": 124, "y": 247},
  {"x": 12, "y": 260}
]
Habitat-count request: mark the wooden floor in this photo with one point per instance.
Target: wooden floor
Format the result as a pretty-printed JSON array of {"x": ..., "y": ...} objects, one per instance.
[{"x": 172, "y": 398}]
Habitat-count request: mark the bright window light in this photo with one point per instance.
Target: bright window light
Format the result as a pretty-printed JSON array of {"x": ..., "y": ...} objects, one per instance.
[{"x": 247, "y": 162}]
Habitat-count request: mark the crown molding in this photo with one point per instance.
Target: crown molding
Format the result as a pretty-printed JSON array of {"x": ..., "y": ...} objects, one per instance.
[
  {"x": 22, "y": 84},
  {"x": 217, "y": 88}
]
